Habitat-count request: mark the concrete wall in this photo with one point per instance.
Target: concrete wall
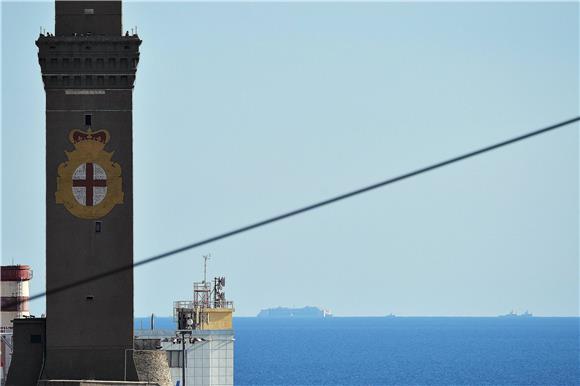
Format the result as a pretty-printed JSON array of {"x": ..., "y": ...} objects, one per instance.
[{"x": 28, "y": 355}]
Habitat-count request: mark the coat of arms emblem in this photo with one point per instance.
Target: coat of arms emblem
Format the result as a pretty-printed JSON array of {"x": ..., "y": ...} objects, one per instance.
[{"x": 89, "y": 184}]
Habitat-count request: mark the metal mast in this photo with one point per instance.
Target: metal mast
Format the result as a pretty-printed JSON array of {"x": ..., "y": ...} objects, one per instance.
[{"x": 205, "y": 259}]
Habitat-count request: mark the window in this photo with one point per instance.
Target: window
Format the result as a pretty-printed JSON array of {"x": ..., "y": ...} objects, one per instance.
[
  {"x": 100, "y": 63},
  {"x": 88, "y": 63},
  {"x": 112, "y": 62},
  {"x": 124, "y": 63},
  {"x": 77, "y": 62},
  {"x": 174, "y": 358},
  {"x": 89, "y": 11},
  {"x": 88, "y": 122}
]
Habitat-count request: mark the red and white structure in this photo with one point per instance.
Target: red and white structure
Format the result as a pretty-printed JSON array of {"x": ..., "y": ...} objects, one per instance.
[{"x": 14, "y": 292}]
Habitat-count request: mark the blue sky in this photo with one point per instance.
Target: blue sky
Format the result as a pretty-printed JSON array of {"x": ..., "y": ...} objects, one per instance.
[{"x": 245, "y": 110}]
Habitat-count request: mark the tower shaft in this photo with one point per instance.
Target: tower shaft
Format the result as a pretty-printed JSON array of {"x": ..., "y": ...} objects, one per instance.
[{"x": 88, "y": 70}]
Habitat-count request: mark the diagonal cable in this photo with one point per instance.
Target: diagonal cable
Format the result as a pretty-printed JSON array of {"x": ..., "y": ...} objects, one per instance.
[{"x": 307, "y": 208}]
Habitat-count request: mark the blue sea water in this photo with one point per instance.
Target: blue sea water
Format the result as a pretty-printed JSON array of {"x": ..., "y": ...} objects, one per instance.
[{"x": 405, "y": 351}]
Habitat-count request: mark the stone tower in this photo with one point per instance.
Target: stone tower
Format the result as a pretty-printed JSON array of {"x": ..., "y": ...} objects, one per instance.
[{"x": 88, "y": 69}]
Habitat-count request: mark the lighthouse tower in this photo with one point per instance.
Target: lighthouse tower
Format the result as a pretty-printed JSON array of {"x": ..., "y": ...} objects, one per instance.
[{"x": 88, "y": 69}]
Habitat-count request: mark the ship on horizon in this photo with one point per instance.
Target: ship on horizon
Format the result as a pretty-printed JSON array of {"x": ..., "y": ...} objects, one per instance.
[
  {"x": 286, "y": 312},
  {"x": 513, "y": 314}
]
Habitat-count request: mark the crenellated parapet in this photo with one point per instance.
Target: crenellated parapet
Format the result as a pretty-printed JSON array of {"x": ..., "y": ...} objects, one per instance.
[{"x": 87, "y": 62}]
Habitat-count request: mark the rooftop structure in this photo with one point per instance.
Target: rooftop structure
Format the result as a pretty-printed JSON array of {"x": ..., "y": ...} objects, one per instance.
[
  {"x": 209, "y": 355},
  {"x": 200, "y": 352},
  {"x": 209, "y": 309}
]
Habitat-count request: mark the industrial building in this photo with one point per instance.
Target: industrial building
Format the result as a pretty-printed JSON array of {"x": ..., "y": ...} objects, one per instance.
[
  {"x": 14, "y": 290},
  {"x": 204, "y": 336}
]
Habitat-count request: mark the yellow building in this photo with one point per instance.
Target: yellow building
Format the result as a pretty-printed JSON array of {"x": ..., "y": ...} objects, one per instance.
[
  {"x": 217, "y": 318},
  {"x": 209, "y": 309}
]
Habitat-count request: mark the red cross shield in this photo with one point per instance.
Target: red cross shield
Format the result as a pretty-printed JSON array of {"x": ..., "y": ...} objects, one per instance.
[{"x": 89, "y": 184}]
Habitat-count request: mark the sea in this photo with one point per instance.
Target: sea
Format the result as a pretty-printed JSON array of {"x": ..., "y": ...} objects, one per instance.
[{"x": 404, "y": 350}]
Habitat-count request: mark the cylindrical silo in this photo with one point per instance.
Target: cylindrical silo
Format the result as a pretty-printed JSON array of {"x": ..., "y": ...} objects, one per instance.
[{"x": 14, "y": 291}]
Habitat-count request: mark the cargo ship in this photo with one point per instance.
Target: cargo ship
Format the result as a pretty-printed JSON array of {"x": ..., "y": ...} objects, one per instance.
[
  {"x": 304, "y": 312},
  {"x": 513, "y": 314}
]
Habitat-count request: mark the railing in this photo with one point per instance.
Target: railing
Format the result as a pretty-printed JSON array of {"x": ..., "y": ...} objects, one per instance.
[
  {"x": 201, "y": 286},
  {"x": 223, "y": 304},
  {"x": 189, "y": 305}
]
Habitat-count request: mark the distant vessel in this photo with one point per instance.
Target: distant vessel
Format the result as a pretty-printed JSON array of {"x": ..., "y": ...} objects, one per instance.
[
  {"x": 513, "y": 314},
  {"x": 304, "y": 312},
  {"x": 391, "y": 315}
]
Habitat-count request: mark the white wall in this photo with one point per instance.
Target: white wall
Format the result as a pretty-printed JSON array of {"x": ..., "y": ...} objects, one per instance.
[{"x": 209, "y": 363}]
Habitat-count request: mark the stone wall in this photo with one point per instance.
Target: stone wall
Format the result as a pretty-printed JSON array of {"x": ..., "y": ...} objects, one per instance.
[{"x": 152, "y": 366}]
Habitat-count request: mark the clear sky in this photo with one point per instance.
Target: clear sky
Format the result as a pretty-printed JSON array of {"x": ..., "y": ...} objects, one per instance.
[{"x": 245, "y": 110}]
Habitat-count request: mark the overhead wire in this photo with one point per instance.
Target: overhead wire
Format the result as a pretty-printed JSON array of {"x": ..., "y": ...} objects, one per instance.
[{"x": 305, "y": 209}]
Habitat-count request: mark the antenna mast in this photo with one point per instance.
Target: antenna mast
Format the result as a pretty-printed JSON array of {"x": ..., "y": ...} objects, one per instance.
[{"x": 205, "y": 259}]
